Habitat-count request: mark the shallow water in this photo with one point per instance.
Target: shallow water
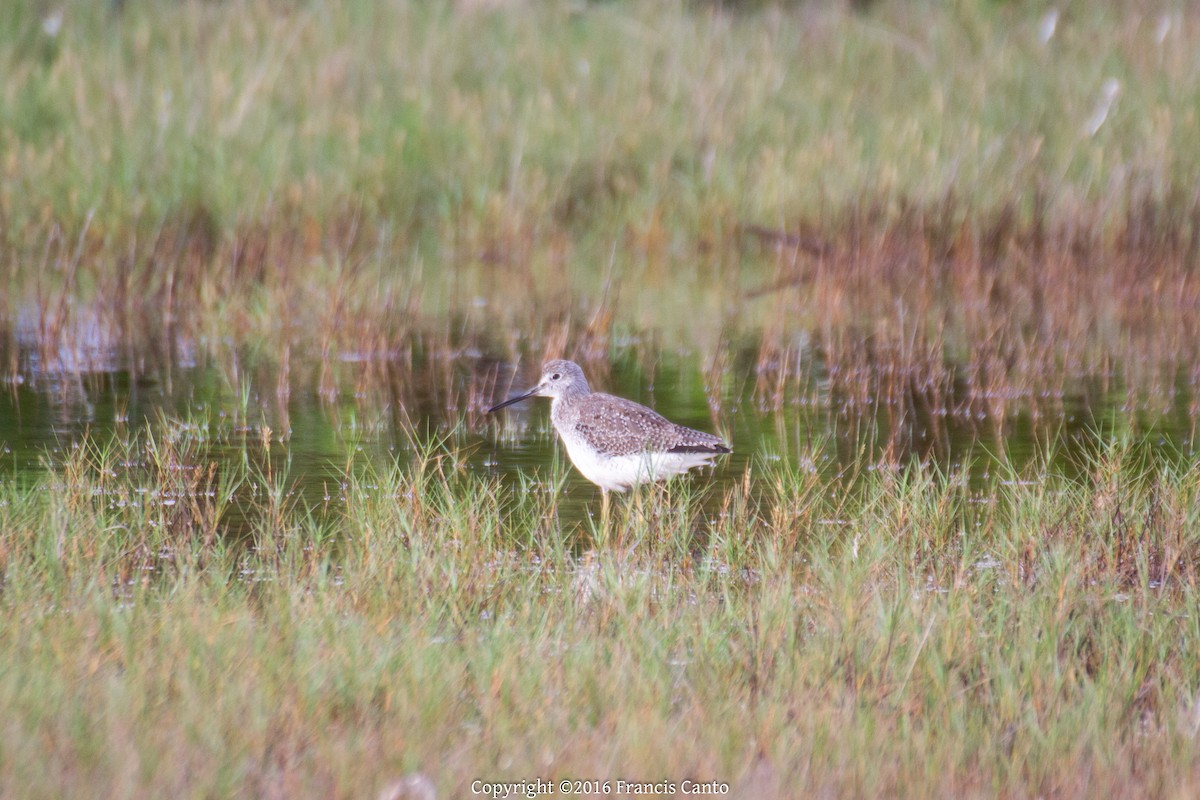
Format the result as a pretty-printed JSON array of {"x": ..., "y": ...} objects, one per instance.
[{"x": 51, "y": 404}]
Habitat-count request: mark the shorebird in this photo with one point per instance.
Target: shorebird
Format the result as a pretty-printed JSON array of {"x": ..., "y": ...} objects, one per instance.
[{"x": 616, "y": 443}]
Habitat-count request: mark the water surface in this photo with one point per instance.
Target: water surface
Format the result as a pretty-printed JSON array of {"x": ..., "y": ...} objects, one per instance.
[{"x": 51, "y": 404}]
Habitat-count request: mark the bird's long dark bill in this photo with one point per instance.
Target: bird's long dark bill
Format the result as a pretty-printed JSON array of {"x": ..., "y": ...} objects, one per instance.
[{"x": 516, "y": 399}]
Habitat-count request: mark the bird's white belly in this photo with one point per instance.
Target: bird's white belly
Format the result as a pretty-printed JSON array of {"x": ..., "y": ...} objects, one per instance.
[{"x": 618, "y": 473}]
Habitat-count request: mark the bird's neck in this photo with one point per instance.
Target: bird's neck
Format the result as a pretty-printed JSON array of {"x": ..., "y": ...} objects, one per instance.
[{"x": 575, "y": 392}]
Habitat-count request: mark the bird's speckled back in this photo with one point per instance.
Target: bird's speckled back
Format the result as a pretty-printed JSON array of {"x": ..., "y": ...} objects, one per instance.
[{"x": 614, "y": 426}]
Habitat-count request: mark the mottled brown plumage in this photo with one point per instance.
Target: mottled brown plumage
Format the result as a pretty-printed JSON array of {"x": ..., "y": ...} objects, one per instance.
[
  {"x": 617, "y": 443},
  {"x": 619, "y": 427}
]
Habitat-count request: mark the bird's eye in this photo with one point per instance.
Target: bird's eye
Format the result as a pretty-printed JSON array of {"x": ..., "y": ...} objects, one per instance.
[{"x": 555, "y": 376}]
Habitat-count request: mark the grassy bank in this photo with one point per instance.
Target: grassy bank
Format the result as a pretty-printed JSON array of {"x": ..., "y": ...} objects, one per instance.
[
  {"x": 217, "y": 162},
  {"x": 532, "y": 115},
  {"x": 913, "y": 636},
  {"x": 919, "y": 204}
]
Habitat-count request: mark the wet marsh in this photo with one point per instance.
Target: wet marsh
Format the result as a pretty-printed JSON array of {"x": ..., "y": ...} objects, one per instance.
[{"x": 265, "y": 267}]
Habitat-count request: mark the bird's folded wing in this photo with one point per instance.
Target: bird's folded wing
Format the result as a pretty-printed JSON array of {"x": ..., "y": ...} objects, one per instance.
[{"x": 619, "y": 427}]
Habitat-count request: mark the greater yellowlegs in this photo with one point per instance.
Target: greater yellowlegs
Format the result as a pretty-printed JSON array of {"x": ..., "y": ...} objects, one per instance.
[{"x": 616, "y": 443}]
